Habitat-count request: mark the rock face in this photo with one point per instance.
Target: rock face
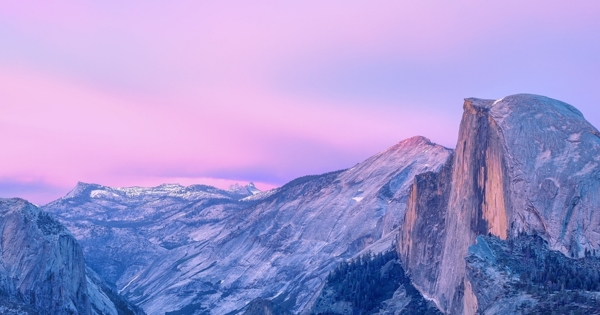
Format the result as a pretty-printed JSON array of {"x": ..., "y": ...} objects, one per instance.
[
  {"x": 264, "y": 307},
  {"x": 42, "y": 269},
  {"x": 422, "y": 237},
  {"x": 522, "y": 276},
  {"x": 199, "y": 249},
  {"x": 41, "y": 264},
  {"x": 105, "y": 300},
  {"x": 524, "y": 163}
]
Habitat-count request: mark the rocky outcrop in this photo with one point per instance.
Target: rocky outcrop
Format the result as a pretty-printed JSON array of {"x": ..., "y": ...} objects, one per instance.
[
  {"x": 522, "y": 275},
  {"x": 522, "y": 164},
  {"x": 422, "y": 236},
  {"x": 265, "y": 307},
  {"x": 105, "y": 300},
  {"x": 42, "y": 269},
  {"x": 476, "y": 204},
  {"x": 553, "y": 167},
  {"x": 41, "y": 264}
]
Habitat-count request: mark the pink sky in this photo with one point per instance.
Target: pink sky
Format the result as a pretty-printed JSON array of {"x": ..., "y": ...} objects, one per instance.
[{"x": 211, "y": 92}]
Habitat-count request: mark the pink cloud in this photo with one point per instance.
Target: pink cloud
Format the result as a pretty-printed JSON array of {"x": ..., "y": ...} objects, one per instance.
[
  {"x": 144, "y": 93},
  {"x": 68, "y": 132}
]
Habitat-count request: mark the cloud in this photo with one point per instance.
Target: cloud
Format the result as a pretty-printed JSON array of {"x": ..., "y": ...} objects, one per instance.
[{"x": 133, "y": 94}]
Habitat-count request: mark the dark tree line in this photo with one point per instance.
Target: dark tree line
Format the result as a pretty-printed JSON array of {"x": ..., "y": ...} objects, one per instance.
[
  {"x": 558, "y": 283},
  {"x": 361, "y": 281},
  {"x": 541, "y": 269},
  {"x": 371, "y": 279}
]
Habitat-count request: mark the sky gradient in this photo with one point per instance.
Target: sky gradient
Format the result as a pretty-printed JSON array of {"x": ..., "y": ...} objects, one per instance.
[{"x": 217, "y": 92}]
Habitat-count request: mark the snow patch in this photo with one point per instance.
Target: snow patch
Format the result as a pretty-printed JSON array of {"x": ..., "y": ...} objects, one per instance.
[
  {"x": 102, "y": 194},
  {"x": 128, "y": 283},
  {"x": 543, "y": 158},
  {"x": 575, "y": 137},
  {"x": 587, "y": 169}
]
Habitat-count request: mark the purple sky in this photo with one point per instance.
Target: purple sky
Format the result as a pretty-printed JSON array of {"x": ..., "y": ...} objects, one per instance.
[{"x": 127, "y": 93}]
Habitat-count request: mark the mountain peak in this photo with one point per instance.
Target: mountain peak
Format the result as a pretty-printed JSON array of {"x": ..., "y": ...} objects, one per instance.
[
  {"x": 79, "y": 189},
  {"x": 247, "y": 190},
  {"x": 416, "y": 140},
  {"x": 472, "y": 103},
  {"x": 523, "y": 164},
  {"x": 413, "y": 144},
  {"x": 520, "y": 102},
  {"x": 536, "y": 103},
  {"x": 11, "y": 204}
]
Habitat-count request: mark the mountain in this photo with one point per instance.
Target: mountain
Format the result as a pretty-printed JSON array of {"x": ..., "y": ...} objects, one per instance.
[
  {"x": 124, "y": 230},
  {"x": 42, "y": 269},
  {"x": 243, "y": 191},
  {"x": 199, "y": 250},
  {"x": 523, "y": 165},
  {"x": 505, "y": 224}
]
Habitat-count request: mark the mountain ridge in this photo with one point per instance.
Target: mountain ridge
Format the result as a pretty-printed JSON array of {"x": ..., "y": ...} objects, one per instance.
[
  {"x": 227, "y": 251},
  {"x": 523, "y": 165}
]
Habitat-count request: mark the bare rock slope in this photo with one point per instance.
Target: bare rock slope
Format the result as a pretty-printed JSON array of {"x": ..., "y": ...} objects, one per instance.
[{"x": 522, "y": 164}]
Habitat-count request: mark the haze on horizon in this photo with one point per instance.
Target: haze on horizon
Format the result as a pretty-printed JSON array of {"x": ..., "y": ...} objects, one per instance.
[{"x": 145, "y": 93}]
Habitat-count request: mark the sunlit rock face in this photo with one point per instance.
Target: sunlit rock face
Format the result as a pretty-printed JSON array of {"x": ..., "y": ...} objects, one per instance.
[
  {"x": 41, "y": 264},
  {"x": 553, "y": 158},
  {"x": 524, "y": 163},
  {"x": 422, "y": 236},
  {"x": 201, "y": 249}
]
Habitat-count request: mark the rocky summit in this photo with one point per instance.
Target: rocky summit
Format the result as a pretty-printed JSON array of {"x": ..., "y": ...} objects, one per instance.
[
  {"x": 507, "y": 223},
  {"x": 524, "y": 164}
]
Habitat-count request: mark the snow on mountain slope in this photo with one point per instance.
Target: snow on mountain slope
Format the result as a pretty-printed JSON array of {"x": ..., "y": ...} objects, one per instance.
[
  {"x": 180, "y": 251},
  {"x": 248, "y": 190},
  {"x": 142, "y": 222}
]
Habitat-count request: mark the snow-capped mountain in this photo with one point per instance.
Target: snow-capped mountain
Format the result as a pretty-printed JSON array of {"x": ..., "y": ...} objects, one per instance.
[
  {"x": 199, "y": 248},
  {"x": 133, "y": 226},
  {"x": 243, "y": 191}
]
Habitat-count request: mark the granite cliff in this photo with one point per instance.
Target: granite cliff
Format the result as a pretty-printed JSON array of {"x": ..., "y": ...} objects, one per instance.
[
  {"x": 42, "y": 269},
  {"x": 41, "y": 264},
  {"x": 524, "y": 164}
]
